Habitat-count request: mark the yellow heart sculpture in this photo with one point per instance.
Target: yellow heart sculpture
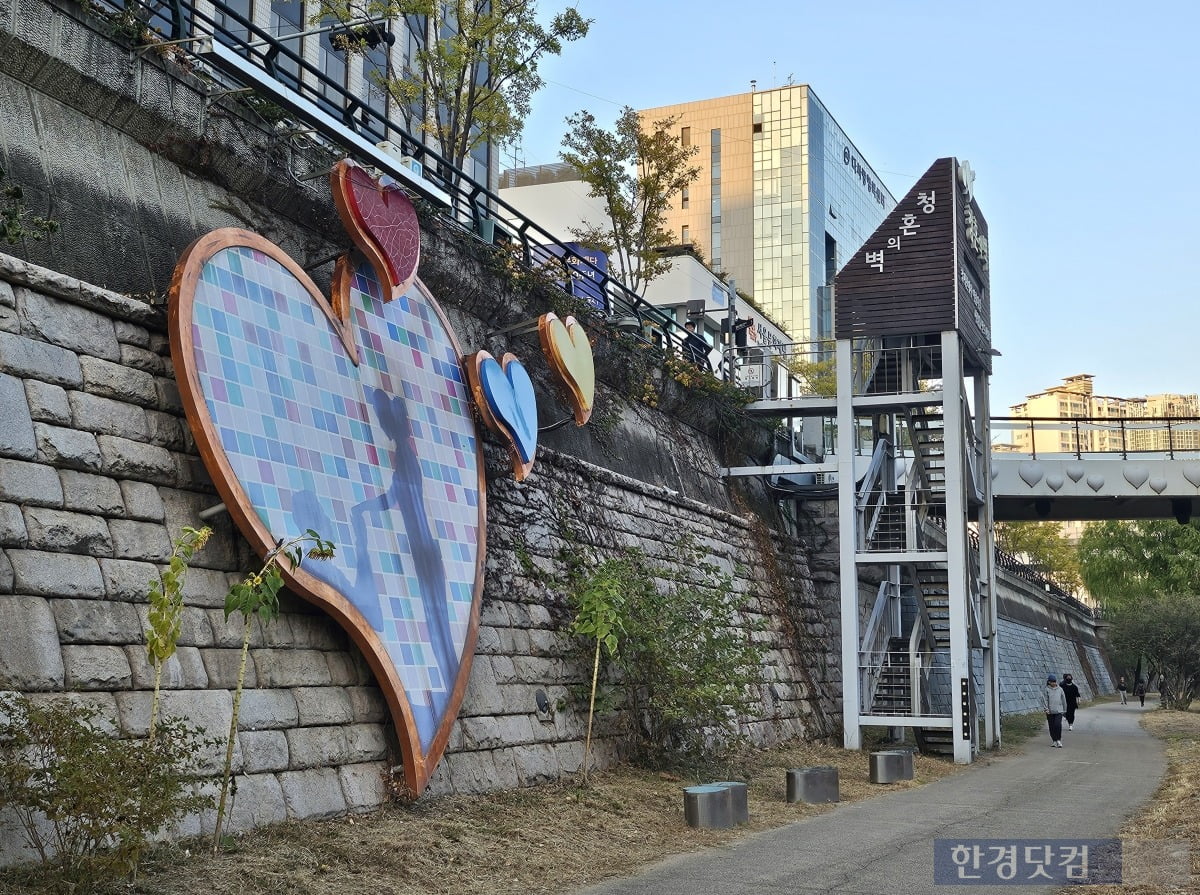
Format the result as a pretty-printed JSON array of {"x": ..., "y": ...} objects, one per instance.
[{"x": 569, "y": 353}]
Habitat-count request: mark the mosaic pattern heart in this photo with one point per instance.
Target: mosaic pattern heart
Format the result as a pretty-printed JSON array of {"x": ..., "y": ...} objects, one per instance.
[{"x": 382, "y": 458}]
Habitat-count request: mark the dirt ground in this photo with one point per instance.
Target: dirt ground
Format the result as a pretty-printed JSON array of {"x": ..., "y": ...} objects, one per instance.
[
  {"x": 558, "y": 838},
  {"x": 547, "y": 839}
]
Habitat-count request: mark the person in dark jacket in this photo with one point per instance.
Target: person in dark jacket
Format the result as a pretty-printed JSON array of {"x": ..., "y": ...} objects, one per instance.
[
  {"x": 1071, "y": 692},
  {"x": 1139, "y": 690},
  {"x": 1055, "y": 704}
]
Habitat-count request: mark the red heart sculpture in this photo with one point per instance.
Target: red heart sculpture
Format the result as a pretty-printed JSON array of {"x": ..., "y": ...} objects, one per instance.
[{"x": 381, "y": 220}]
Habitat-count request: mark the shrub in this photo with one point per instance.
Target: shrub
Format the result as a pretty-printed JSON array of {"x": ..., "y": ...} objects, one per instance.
[{"x": 87, "y": 800}]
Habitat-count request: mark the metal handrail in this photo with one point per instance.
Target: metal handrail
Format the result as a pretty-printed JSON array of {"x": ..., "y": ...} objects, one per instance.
[
  {"x": 469, "y": 200},
  {"x": 1124, "y": 428}
]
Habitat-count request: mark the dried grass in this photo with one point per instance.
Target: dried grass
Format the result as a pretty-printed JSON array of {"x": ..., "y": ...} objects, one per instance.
[
  {"x": 547, "y": 839},
  {"x": 1174, "y": 811}
]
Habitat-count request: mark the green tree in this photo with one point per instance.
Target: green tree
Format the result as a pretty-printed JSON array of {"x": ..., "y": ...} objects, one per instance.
[
  {"x": 473, "y": 78},
  {"x": 1125, "y": 564},
  {"x": 1166, "y": 631},
  {"x": 16, "y": 223},
  {"x": 637, "y": 172},
  {"x": 1044, "y": 546}
]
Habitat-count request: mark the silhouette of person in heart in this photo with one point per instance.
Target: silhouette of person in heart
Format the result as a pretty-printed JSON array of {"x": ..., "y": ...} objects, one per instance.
[{"x": 405, "y": 494}]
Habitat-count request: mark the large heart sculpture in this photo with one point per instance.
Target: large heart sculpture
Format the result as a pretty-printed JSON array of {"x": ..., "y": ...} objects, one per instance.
[
  {"x": 382, "y": 458},
  {"x": 504, "y": 395},
  {"x": 569, "y": 353}
]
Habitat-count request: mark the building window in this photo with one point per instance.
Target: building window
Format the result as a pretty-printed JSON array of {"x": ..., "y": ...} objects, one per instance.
[
  {"x": 685, "y": 234},
  {"x": 685, "y": 136},
  {"x": 287, "y": 17},
  {"x": 684, "y": 198}
]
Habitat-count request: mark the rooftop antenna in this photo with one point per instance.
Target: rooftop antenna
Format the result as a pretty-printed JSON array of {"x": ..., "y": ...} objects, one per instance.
[{"x": 753, "y": 85}]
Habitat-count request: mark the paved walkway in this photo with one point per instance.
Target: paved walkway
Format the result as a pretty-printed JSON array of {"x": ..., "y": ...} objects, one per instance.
[{"x": 1107, "y": 769}]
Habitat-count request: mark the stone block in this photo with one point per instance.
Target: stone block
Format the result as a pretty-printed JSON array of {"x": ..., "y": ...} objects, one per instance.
[
  {"x": 7, "y": 298},
  {"x": 363, "y": 785},
  {"x": 30, "y": 484},
  {"x": 91, "y": 667},
  {"x": 483, "y": 695},
  {"x": 67, "y": 325},
  {"x": 63, "y": 532},
  {"x": 222, "y": 667},
  {"x": 139, "y": 540},
  {"x": 131, "y": 334},
  {"x": 16, "y": 425},
  {"x": 12, "y": 526},
  {"x": 535, "y": 764},
  {"x": 323, "y": 706},
  {"x": 48, "y": 403},
  {"x": 208, "y": 588},
  {"x": 56, "y": 574},
  {"x": 343, "y": 670},
  {"x": 209, "y": 710},
  {"x": 32, "y": 661},
  {"x": 367, "y": 704},
  {"x": 90, "y": 493},
  {"x": 290, "y": 668},
  {"x": 314, "y": 747},
  {"x": 32, "y": 359},
  {"x": 168, "y": 431},
  {"x": 312, "y": 793},
  {"x": 263, "y": 750},
  {"x": 125, "y": 579},
  {"x": 259, "y": 802},
  {"x": 126, "y": 459},
  {"x": 168, "y": 395},
  {"x": 182, "y": 671},
  {"x": 317, "y": 631},
  {"x": 114, "y": 380},
  {"x": 142, "y": 501},
  {"x": 92, "y": 413},
  {"x": 97, "y": 621},
  {"x": 365, "y": 742},
  {"x": 6, "y": 572},
  {"x": 475, "y": 772},
  {"x": 138, "y": 358},
  {"x": 67, "y": 448},
  {"x": 190, "y": 473},
  {"x": 268, "y": 710}
]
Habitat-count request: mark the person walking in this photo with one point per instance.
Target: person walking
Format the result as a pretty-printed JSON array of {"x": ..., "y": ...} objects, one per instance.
[
  {"x": 1121, "y": 686},
  {"x": 1071, "y": 692},
  {"x": 1056, "y": 705},
  {"x": 1140, "y": 691}
]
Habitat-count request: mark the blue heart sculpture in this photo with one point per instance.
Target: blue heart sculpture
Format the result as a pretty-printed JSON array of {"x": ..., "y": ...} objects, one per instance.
[
  {"x": 510, "y": 398},
  {"x": 380, "y": 456}
]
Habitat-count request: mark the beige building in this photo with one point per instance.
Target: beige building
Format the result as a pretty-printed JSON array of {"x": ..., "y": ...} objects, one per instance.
[
  {"x": 783, "y": 199},
  {"x": 1105, "y": 423}
]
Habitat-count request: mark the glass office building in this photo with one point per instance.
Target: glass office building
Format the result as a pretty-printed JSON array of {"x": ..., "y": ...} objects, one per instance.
[{"x": 782, "y": 201}]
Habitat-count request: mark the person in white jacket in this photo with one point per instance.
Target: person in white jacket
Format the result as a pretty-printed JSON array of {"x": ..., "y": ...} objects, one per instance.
[{"x": 1056, "y": 705}]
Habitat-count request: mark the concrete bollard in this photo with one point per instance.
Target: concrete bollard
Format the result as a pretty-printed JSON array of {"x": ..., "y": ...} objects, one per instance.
[
  {"x": 707, "y": 806},
  {"x": 891, "y": 765},
  {"x": 813, "y": 785},
  {"x": 739, "y": 802}
]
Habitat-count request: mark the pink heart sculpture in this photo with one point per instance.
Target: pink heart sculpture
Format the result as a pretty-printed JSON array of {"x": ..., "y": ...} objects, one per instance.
[{"x": 381, "y": 457}]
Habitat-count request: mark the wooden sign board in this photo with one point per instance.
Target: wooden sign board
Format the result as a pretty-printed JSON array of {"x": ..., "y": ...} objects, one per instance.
[{"x": 925, "y": 269}]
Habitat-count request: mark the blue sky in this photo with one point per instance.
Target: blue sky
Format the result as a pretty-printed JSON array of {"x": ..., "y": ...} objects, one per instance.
[{"x": 1080, "y": 121}]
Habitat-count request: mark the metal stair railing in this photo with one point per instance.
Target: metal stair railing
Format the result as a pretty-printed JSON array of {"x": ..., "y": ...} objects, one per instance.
[
  {"x": 871, "y": 496},
  {"x": 873, "y": 652}
]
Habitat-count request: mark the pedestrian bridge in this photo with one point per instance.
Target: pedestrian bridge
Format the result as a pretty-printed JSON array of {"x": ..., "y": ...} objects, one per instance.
[{"x": 1091, "y": 469}]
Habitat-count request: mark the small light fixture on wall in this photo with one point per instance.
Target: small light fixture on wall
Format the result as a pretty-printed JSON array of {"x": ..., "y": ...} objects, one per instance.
[{"x": 545, "y": 710}]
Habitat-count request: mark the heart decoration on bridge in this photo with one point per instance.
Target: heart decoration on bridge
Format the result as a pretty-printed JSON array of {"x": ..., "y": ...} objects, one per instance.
[
  {"x": 1030, "y": 471},
  {"x": 1054, "y": 481},
  {"x": 1136, "y": 475},
  {"x": 504, "y": 395},
  {"x": 1075, "y": 471},
  {"x": 1191, "y": 472},
  {"x": 1095, "y": 482},
  {"x": 1158, "y": 484}
]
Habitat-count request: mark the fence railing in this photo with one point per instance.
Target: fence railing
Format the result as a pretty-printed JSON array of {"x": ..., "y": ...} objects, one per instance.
[
  {"x": 1173, "y": 436},
  {"x": 240, "y": 51}
]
